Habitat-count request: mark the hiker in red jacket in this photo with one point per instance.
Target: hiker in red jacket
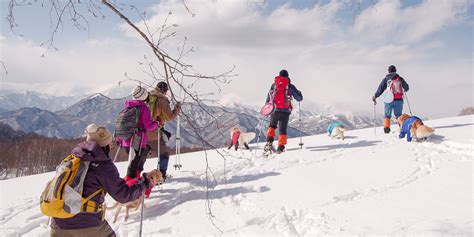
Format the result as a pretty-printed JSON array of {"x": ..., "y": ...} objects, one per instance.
[
  {"x": 281, "y": 93},
  {"x": 235, "y": 138}
]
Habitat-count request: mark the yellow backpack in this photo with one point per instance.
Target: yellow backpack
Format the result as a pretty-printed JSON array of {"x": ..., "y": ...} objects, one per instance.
[{"x": 62, "y": 196}]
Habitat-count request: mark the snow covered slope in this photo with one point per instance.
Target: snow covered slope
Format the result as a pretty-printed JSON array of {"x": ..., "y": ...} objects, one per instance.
[{"x": 366, "y": 185}]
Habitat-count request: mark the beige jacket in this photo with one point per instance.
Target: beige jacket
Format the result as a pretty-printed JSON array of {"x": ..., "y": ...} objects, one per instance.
[{"x": 161, "y": 107}]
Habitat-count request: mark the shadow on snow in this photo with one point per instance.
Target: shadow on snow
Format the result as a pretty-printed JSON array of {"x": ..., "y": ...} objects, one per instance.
[{"x": 362, "y": 143}]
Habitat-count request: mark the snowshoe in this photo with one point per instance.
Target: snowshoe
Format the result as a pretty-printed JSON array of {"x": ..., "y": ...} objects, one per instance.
[{"x": 268, "y": 149}]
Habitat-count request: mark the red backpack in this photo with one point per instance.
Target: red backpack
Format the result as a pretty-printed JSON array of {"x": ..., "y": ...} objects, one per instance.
[
  {"x": 281, "y": 93},
  {"x": 396, "y": 88}
]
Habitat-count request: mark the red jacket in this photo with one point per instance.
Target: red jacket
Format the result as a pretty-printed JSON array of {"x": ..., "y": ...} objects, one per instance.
[{"x": 235, "y": 137}]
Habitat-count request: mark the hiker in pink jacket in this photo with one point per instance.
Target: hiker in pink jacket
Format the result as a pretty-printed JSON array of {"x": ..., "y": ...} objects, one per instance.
[{"x": 138, "y": 144}]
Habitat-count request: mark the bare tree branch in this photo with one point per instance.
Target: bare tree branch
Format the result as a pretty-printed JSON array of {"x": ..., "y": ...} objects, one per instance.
[{"x": 4, "y": 68}]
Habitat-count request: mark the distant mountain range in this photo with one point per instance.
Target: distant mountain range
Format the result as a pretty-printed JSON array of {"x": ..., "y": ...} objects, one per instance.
[
  {"x": 209, "y": 123},
  {"x": 15, "y": 100}
]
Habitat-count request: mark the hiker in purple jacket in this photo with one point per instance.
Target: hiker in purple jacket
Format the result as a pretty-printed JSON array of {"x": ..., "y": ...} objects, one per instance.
[
  {"x": 103, "y": 174},
  {"x": 145, "y": 124}
]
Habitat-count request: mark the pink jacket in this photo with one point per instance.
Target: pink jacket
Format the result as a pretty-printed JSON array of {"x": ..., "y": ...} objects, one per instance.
[{"x": 144, "y": 121}]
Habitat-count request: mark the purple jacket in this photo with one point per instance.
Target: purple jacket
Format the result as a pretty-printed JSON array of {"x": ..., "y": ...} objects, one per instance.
[
  {"x": 102, "y": 174},
  {"x": 144, "y": 121}
]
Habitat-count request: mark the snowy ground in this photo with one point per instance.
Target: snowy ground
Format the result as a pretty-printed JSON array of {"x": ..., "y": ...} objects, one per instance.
[{"x": 366, "y": 185}]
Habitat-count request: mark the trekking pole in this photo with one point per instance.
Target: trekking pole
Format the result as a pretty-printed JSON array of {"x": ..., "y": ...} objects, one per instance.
[
  {"x": 177, "y": 161},
  {"x": 375, "y": 118},
  {"x": 141, "y": 214},
  {"x": 259, "y": 127},
  {"x": 116, "y": 154},
  {"x": 299, "y": 112},
  {"x": 158, "y": 148},
  {"x": 408, "y": 103}
]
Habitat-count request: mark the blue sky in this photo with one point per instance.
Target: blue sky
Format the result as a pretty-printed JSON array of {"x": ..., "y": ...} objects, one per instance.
[{"x": 322, "y": 45}]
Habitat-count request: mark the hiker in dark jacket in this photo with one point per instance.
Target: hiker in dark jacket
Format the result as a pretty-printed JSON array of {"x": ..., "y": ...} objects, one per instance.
[
  {"x": 102, "y": 174},
  {"x": 398, "y": 86},
  {"x": 141, "y": 149},
  {"x": 282, "y": 99}
]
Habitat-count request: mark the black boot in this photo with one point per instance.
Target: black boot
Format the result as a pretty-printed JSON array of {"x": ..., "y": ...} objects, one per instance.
[
  {"x": 163, "y": 174},
  {"x": 280, "y": 149},
  {"x": 386, "y": 130}
]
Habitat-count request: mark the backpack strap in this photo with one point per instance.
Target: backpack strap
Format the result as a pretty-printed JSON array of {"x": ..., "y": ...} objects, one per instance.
[{"x": 91, "y": 206}]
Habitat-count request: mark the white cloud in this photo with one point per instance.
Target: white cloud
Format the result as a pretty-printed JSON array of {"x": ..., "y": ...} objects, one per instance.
[
  {"x": 387, "y": 21},
  {"x": 74, "y": 69},
  {"x": 330, "y": 61}
]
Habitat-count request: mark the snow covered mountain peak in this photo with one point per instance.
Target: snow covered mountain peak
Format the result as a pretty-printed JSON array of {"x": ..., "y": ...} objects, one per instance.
[{"x": 88, "y": 105}]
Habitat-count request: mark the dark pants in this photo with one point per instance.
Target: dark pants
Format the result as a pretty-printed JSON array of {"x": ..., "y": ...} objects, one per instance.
[
  {"x": 138, "y": 161},
  {"x": 236, "y": 145},
  {"x": 103, "y": 230},
  {"x": 164, "y": 163},
  {"x": 164, "y": 152},
  {"x": 280, "y": 120}
]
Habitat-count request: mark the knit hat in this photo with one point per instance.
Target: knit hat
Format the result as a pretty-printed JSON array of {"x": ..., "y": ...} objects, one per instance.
[
  {"x": 139, "y": 93},
  {"x": 162, "y": 86},
  {"x": 99, "y": 134},
  {"x": 284, "y": 73},
  {"x": 392, "y": 68}
]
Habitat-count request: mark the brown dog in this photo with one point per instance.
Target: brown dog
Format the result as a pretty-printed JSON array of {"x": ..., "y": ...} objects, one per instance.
[
  {"x": 129, "y": 205},
  {"x": 418, "y": 130}
]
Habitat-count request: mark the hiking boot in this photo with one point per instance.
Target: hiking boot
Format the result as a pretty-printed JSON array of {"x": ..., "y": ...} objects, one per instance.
[
  {"x": 163, "y": 176},
  {"x": 280, "y": 149},
  {"x": 386, "y": 130}
]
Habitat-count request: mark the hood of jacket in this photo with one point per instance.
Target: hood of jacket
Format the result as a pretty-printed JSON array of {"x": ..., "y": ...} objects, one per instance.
[
  {"x": 90, "y": 151},
  {"x": 391, "y": 75}
]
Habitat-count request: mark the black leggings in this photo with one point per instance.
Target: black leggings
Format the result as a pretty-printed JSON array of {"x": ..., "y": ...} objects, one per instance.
[
  {"x": 280, "y": 119},
  {"x": 138, "y": 161}
]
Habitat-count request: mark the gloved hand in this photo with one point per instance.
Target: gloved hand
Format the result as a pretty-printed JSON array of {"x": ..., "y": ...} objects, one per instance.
[
  {"x": 374, "y": 99},
  {"x": 168, "y": 134},
  {"x": 300, "y": 94},
  {"x": 152, "y": 178}
]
